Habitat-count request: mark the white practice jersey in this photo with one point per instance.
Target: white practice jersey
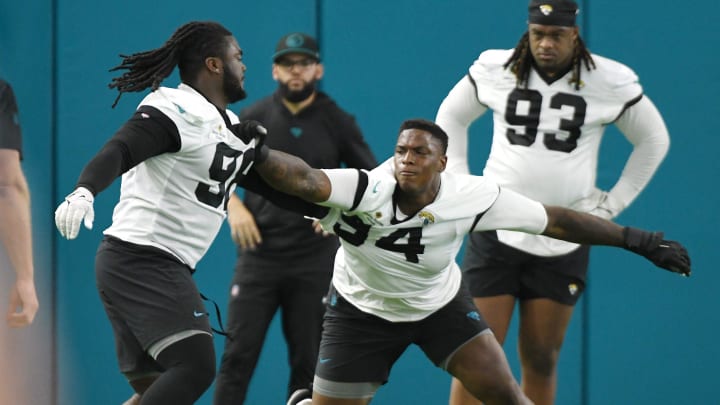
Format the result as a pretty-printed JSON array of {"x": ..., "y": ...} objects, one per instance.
[
  {"x": 177, "y": 201},
  {"x": 403, "y": 268},
  {"x": 546, "y": 138}
]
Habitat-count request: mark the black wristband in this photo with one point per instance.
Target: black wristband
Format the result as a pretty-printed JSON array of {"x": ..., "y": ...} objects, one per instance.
[{"x": 639, "y": 241}]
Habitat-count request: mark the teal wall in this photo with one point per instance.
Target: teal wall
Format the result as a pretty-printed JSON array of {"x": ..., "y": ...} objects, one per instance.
[{"x": 639, "y": 336}]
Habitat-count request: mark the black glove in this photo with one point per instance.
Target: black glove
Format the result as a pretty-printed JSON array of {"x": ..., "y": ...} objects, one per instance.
[
  {"x": 249, "y": 130},
  {"x": 666, "y": 254}
]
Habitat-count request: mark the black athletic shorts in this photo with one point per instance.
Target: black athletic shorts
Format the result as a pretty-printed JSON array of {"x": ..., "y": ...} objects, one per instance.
[
  {"x": 148, "y": 295},
  {"x": 359, "y": 347},
  {"x": 492, "y": 268}
]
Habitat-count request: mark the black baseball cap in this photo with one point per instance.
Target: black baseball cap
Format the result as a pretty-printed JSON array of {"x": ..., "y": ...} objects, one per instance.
[
  {"x": 297, "y": 42},
  {"x": 552, "y": 12}
]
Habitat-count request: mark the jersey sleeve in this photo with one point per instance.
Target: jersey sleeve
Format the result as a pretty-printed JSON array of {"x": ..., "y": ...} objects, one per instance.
[
  {"x": 356, "y": 191},
  {"x": 619, "y": 84},
  {"x": 514, "y": 212},
  {"x": 488, "y": 69},
  {"x": 456, "y": 113},
  {"x": 645, "y": 129},
  {"x": 147, "y": 133}
]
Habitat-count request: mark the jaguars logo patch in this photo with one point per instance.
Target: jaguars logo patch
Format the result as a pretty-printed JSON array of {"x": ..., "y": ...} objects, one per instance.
[
  {"x": 546, "y": 9},
  {"x": 572, "y": 288},
  {"x": 427, "y": 217}
]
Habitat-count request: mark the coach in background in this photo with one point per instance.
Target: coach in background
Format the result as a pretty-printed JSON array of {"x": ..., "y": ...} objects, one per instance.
[{"x": 282, "y": 263}]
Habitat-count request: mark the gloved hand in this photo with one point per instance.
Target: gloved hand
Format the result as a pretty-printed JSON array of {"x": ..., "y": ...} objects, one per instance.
[
  {"x": 666, "y": 254},
  {"x": 248, "y": 130},
  {"x": 77, "y": 206}
]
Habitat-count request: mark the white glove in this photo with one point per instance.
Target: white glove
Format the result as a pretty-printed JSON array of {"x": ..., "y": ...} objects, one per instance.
[{"x": 77, "y": 206}]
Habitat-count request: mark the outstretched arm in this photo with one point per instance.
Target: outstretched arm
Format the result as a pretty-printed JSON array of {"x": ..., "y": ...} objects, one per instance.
[
  {"x": 148, "y": 133},
  {"x": 578, "y": 227},
  {"x": 293, "y": 176},
  {"x": 585, "y": 228}
]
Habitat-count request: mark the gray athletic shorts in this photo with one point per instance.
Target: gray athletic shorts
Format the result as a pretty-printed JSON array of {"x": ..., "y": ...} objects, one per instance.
[{"x": 148, "y": 295}]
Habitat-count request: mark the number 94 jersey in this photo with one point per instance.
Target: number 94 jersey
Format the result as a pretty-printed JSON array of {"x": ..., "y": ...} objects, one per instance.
[
  {"x": 402, "y": 268},
  {"x": 177, "y": 201}
]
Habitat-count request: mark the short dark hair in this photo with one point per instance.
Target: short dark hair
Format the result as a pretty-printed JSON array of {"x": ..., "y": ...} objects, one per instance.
[
  {"x": 188, "y": 47},
  {"x": 426, "y": 125}
]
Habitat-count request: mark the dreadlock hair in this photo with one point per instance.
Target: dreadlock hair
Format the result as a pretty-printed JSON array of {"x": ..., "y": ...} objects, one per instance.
[
  {"x": 188, "y": 47},
  {"x": 520, "y": 61}
]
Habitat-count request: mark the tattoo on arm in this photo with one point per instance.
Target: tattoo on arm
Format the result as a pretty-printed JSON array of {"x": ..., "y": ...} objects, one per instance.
[{"x": 291, "y": 175}]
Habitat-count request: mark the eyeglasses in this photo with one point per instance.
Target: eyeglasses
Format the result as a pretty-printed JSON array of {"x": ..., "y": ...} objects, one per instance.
[{"x": 300, "y": 63}]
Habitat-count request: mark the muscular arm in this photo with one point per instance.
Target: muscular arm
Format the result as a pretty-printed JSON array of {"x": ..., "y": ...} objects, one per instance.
[
  {"x": 585, "y": 228},
  {"x": 291, "y": 175},
  {"x": 579, "y": 227}
]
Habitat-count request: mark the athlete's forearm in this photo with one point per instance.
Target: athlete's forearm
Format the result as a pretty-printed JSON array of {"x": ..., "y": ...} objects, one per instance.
[
  {"x": 579, "y": 227},
  {"x": 15, "y": 226},
  {"x": 292, "y": 175}
]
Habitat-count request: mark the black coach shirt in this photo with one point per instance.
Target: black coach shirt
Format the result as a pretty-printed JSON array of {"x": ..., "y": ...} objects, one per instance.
[
  {"x": 324, "y": 136},
  {"x": 10, "y": 135}
]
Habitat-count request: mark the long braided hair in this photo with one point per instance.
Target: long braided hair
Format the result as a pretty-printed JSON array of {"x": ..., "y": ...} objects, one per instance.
[
  {"x": 520, "y": 62},
  {"x": 188, "y": 47}
]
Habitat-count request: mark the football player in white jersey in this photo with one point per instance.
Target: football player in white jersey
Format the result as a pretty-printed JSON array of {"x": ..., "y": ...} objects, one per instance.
[
  {"x": 551, "y": 101},
  {"x": 396, "y": 282},
  {"x": 180, "y": 156}
]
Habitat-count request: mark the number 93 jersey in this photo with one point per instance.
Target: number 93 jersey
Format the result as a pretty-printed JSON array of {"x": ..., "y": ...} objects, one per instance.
[
  {"x": 177, "y": 201},
  {"x": 546, "y": 137}
]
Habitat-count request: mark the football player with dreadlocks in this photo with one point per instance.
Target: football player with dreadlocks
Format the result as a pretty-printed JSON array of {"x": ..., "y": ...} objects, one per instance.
[
  {"x": 551, "y": 101},
  {"x": 180, "y": 157}
]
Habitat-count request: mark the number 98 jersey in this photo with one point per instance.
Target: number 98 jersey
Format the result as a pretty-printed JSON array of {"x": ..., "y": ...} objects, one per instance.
[{"x": 177, "y": 201}]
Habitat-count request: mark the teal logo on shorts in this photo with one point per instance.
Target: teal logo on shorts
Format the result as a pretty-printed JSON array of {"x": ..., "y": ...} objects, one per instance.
[
  {"x": 473, "y": 315},
  {"x": 323, "y": 361},
  {"x": 198, "y": 314}
]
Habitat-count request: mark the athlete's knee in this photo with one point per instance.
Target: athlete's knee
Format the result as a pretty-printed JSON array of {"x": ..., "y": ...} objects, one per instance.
[
  {"x": 192, "y": 358},
  {"x": 141, "y": 381},
  {"x": 501, "y": 390},
  {"x": 540, "y": 359}
]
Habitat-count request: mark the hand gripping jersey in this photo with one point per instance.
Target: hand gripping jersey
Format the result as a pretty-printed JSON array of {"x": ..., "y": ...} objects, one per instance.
[
  {"x": 546, "y": 138},
  {"x": 403, "y": 268},
  {"x": 177, "y": 201}
]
